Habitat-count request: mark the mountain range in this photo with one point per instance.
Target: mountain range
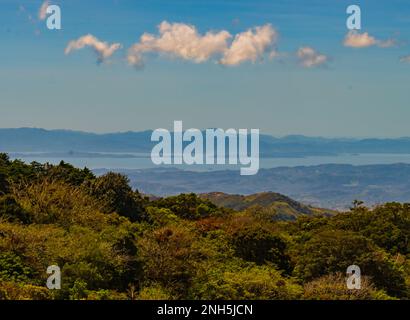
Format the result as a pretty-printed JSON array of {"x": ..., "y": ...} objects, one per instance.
[
  {"x": 329, "y": 185},
  {"x": 66, "y": 141},
  {"x": 333, "y": 186}
]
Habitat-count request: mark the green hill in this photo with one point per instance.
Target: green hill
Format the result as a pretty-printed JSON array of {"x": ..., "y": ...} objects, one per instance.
[{"x": 280, "y": 206}]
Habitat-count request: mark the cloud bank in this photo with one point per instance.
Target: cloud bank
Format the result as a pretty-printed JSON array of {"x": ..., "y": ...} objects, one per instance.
[
  {"x": 184, "y": 41},
  {"x": 102, "y": 49},
  {"x": 180, "y": 40}
]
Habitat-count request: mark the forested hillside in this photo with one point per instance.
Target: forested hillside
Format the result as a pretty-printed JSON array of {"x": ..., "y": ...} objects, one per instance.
[
  {"x": 333, "y": 186},
  {"x": 113, "y": 243},
  {"x": 281, "y": 206}
]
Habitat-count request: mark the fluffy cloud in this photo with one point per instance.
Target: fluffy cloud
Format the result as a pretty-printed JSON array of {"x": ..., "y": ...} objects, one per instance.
[
  {"x": 309, "y": 57},
  {"x": 42, "y": 12},
  {"x": 179, "y": 40},
  {"x": 103, "y": 49},
  {"x": 405, "y": 59},
  {"x": 362, "y": 40},
  {"x": 185, "y": 42},
  {"x": 251, "y": 45}
]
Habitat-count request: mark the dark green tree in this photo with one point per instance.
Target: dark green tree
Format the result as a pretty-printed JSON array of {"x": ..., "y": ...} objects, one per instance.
[
  {"x": 259, "y": 245},
  {"x": 189, "y": 206},
  {"x": 114, "y": 191},
  {"x": 12, "y": 211},
  {"x": 332, "y": 251}
]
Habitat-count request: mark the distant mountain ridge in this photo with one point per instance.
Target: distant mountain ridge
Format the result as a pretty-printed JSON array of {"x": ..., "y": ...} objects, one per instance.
[
  {"x": 333, "y": 186},
  {"x": 41, "y": 140}
]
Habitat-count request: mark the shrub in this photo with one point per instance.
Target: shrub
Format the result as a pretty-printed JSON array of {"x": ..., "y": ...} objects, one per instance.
[
  {"x": 154, "y": 292},
  {"x": 332, "y": 251},
  {"x": 18, "y": 291},
  {"x": 189, "y": 206},
  {"x": 114, "y": 192},
  {"x": 333, "y": 287},
  {"x": 11, "y": 210},
  {"x": 244, "y": 282}
]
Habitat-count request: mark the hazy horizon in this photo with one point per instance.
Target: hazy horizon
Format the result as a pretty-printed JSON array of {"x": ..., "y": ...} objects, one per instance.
[
  {"x": 169, "y": 127},
  {"x": 96, "y": 75}
]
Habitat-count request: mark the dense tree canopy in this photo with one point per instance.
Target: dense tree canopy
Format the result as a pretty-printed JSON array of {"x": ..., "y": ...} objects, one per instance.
[
  {"x": 113, "y": 190},
  {"x": 113, "y": 243}
]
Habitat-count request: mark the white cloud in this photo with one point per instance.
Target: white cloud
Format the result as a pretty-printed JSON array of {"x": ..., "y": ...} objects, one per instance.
[
  {"x": 42, "y": 12},
  {"x": 251, "y": 45},
  {"x": 185, "y": 42},
  {"x": 179, "y": 40},
  {"x": 359, "y": 40},
  {"x": 309, "y": 57},
  {"x": 355, "y": 39},
  {"x": 405, "y": 59},
  {"x": 103, "y": 50}
]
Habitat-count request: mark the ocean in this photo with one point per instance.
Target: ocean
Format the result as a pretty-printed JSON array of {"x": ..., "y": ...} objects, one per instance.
[{"x": 113, "y": 161}]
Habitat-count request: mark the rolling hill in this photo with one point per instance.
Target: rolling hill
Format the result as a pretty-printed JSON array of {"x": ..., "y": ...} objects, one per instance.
[
  {"x": 280, "y": 206},
  {"x": 329, "y": 186}
]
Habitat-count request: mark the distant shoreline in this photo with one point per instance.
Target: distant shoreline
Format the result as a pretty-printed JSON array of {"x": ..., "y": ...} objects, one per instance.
[
  {"x": 333, "y": 186},
  {"x": 110, "y": 160}
]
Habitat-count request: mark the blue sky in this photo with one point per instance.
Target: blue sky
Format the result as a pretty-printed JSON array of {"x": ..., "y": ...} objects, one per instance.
[{"x": 351, "y": 91}]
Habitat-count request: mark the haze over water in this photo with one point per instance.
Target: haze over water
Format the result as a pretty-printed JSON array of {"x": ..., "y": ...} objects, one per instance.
[{"x": 146, "y": 163}]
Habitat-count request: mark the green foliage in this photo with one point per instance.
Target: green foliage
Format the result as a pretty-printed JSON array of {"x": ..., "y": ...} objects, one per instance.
[
  {"x": 257, "y": 242},
  {"x": 105, "y": 294},
  {"x": 55, "y": 202},
  {"x": 12, "y": 268},
  {"x": 169, "y": 256},
  {"x": 333, "y": 287},
  {"x": 113, "y": 190},
  {"x": 161, "y": 216},
  {"x": 236, "y": 282},
  {"x": 334, "y": 250},
  {"x": 387, "y": 226},
  {"x": 112, "y": 243},
  {"x": 18, "y": 172},
  {"x": 65, "y": 172},
  {"x": 78, "y": 291},
  {"x": 154, "y": 292},
  {"x": 19, "y": 291},
  {"x": 189, "y": 206},
  {"x": 4, "y": 185},
  {"x": 11, "y": 210}
]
